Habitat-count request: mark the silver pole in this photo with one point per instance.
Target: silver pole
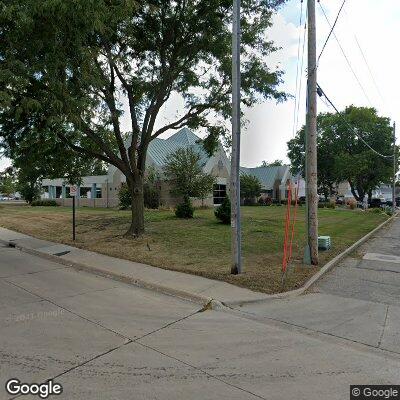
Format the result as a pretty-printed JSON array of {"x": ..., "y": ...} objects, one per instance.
[
  {"x": 235, "y": 161},
  {"x": 394, "y": 169},
  {"x": 311, "y": 251}
]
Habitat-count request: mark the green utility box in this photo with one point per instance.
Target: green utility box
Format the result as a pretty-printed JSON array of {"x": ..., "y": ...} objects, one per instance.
[{"x": 324, "y": 242}]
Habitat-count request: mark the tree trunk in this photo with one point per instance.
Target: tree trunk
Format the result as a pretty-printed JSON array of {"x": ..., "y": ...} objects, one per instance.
[
  {"x": 358, "y": 196},
  {"x": 137, "y": 206}
]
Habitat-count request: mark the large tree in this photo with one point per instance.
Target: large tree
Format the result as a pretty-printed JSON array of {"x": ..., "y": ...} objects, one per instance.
[
  {"x": 80, "y": 66},
  {"x": 343, "y": 156}
]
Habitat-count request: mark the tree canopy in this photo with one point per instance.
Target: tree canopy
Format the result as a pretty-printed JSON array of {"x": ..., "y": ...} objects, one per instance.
[
  {"x": 73, "y": 70},
  {"x": 250, "y": 187},
  {"x": 276, "y": 163},
  {"x": 343, "y": 156},
  {"x": 184, "y": 171}
]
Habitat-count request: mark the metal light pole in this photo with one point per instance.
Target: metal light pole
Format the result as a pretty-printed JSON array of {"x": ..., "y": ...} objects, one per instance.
[
  {"x": 235, "y": 161},
  {"x": 311, "y": 250},
  {"x": 394, "y": 169}
]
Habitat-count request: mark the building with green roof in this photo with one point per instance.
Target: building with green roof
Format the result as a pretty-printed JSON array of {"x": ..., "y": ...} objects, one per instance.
[{"x": 102, "y": 191}]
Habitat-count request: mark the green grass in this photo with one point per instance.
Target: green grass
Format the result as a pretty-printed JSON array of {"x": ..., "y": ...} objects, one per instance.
[{"x": 199, "y": 246}]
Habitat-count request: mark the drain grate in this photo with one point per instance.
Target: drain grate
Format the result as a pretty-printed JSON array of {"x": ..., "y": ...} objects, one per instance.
[{"x": 61, "y": 253}]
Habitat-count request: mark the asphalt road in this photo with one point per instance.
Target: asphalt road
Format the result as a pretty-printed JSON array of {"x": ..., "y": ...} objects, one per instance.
[{"x": 102, "y": 339}]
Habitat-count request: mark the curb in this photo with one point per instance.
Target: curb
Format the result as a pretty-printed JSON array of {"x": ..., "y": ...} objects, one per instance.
[
  {"x": 206, "y": 302},
  {"x": 181, "y": 294},
  {"x": 323, "y": 271}
]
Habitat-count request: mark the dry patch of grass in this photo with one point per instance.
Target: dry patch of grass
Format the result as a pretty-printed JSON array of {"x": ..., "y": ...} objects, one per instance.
[{"x": 199, "y": 246}]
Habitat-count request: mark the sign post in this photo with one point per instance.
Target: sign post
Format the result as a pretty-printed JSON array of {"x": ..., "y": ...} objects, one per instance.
[{"x": 73, "y": 190}]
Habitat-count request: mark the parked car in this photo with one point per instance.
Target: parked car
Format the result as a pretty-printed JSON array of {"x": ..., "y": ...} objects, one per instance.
[
  {"x": 340, "y": 200},
  {"x": 375, "y": 203}
]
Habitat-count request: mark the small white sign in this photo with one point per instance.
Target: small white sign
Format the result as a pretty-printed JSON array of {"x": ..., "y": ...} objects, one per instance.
[{"x": 73, "y": 190}]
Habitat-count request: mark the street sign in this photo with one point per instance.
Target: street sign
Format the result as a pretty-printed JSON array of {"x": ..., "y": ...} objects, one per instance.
[{"x": 73, "y": 190}]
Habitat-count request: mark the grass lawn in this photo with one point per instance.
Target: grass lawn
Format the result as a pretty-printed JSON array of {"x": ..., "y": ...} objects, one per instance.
[{"x": 200, "y": 246}]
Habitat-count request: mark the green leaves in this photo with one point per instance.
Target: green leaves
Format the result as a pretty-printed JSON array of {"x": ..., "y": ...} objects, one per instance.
[
  {"x": 250, "y": 187},
  {"x": 343, "y": 156},
  {"x": 184, "y": 172}
]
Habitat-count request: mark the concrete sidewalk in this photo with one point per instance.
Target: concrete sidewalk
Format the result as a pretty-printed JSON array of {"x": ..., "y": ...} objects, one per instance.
[
  {"x": 190, "y": 287},
  {"x": 358, "y": 300}
]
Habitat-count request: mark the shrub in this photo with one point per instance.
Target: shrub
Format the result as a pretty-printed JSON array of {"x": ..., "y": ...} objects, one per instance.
[
  {"x": 321, "y": 205},
  {"x": 44, "y": 203},
  {"x": 268, "y": 201},
  {"x": 261, "y": 201},
  {"x": 124, "y": 196},
  {"x": 223, "y": 212},
  {"x": 352, "y": 204},
  {"x": 248, "y": 201},
  {"x": 374, "y": 210},
  {"x": 185, "y": 209},
  {"x": 151, "y": 196}
]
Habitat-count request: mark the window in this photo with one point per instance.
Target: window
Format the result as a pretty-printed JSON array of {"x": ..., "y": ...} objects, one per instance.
[
  {"x": 98, "y": 193},
  {"x": 219, "y": 193}
]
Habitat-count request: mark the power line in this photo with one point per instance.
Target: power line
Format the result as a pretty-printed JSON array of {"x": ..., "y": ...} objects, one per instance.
[
  {"x": 301, "y": 76},
  {"x": 345, "y": 56},
  {"x": 332, "y": 28},
  {"x": 297, "y": 93},
  {"x": 366, "y": 62},
  {"x": 322, "y": 93}
]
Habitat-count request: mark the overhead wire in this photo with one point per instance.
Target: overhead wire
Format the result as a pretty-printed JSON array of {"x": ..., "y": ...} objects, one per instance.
[
  {"x": 297, "y": 70},
  {"x": 331, "y": 31},
  {"x": 344, "y": 54},
  {"x": 296, "y": 124},
  {"x": 366, "y": 62},
  {"x": 322, "y": 93}
]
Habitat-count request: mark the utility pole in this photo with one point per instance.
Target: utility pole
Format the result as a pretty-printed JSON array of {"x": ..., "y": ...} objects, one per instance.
[
  {"x": 394, "y": 169},
  {"x": 311, "y": 250},
  {"x": 235, "y": 160}
]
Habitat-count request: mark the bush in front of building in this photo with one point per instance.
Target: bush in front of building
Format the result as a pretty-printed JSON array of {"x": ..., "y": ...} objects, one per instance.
[
  {"x": 44, "y": 203},
  {"x": 261, "y": 201},
  {"x": 124, "y": 196},
  {"x": 250, "y": 189},
  {"x": 223, "y": 212},
  {"x": 185, "y": 209},
  {"x": 151, "y": 195}
]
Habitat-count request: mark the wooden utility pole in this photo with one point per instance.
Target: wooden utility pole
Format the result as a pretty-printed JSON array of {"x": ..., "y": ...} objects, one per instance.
[
  {"x": 235, "y": 160},
  {"x": 394, "y": 169},
  {"x": 311, "y": 250}
]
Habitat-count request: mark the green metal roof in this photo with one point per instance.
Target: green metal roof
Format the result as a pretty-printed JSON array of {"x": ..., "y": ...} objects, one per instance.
[
  {"x": 266, "y": 175},
  {"x": 159, "y": 149}
]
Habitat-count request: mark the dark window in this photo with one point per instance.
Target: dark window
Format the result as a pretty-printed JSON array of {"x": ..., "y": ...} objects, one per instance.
[
  {"x": 98, "y": 193},
  {"x": 219, "y": 193}
]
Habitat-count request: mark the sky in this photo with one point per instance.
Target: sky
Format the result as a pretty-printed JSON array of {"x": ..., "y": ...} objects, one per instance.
[{"x": 374, "y": 24}]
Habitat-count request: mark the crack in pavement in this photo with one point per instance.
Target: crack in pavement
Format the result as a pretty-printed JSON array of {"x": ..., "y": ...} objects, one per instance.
[
  {"x": 314, "y": 332},
  {"x": 200, "y": 370},
  {"x": 34, "y": 272},
  {"x": 384, "y": 327},
  {"x": 377, "y": 270},
  {"x": 129, "y": 340}
]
